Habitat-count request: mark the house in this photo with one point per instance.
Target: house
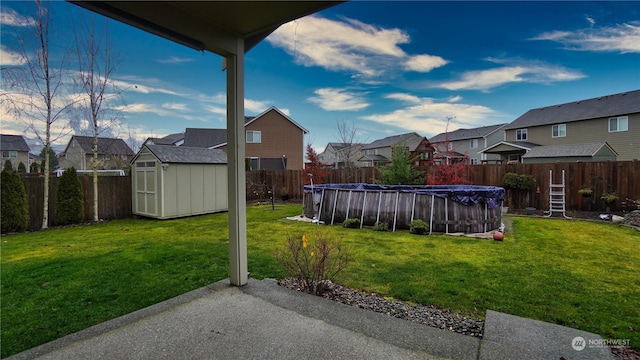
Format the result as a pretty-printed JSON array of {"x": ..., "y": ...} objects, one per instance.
[
  {"x": 15, "y": 149},
  {"x": 468, "y": 143},
  {"x": 171, "y": 139},
  {"x": 112, "y": 153},
  {"x": 379, "y": 152},
  {"x": 176, "y": 181},
  {"x": 273, "y": 141},
  {"x": 612, "y": 119},
  {"x": 598, "y": 151},
  {"x": 339, "y": 155}
]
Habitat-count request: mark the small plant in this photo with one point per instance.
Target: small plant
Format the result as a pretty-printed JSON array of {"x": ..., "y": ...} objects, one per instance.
[
  {"x": 351, "y": 223},
  {"x": 586, "y": 192},
  {"x": 609, "y": 197},
  {"x": 314, "y": 259},
  {"x": 419, "y": 227},
  {"x": 380, "y": 226}
]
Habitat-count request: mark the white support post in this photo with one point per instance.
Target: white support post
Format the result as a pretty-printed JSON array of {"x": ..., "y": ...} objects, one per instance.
[{"x": 238, "y": 269}]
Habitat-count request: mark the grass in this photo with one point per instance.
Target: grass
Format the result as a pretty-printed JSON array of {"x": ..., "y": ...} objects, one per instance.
[{"x": 574, "y": 273}]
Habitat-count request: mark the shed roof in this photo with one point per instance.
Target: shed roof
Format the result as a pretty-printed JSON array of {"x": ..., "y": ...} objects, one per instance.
[
  {"x": 187, "y": 155},
  {"x": 567, "y": 150},
  {"x": 463, "y": 134},
  {"x": 13, "y": 143},
  {"x": 604, "y": 106}
]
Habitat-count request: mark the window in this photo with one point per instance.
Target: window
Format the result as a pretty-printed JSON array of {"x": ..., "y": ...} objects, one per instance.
[
  {"x": 521, "y": 135},
  {"x": 559, "y": 130},
  {"x": 254, "y": 137},
  {"x": 423, "y": 156},
  {"x": 473, "y": 161},
  {"x": 620, "y": 123},
  {"x": 10, "y": 154},
  {"x": 450, "y": 146},
  {"x": 474, "y": 144}
]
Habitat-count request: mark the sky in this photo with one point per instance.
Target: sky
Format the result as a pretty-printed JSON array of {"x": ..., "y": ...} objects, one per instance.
[{"x": 384, "y": 68}]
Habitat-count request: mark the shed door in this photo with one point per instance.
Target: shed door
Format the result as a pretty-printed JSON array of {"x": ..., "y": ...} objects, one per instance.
[{"x": 146, "y": 200}]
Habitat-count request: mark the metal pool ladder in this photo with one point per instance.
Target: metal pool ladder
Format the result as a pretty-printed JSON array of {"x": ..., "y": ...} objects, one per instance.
[{"x": 557, "y": 198}]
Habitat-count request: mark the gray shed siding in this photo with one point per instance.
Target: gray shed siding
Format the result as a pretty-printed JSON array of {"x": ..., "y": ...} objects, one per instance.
[{"x": 172, "y": 190}]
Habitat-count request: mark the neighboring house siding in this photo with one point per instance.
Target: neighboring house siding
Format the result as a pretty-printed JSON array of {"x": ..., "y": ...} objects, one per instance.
[
  {"x": 279, "y": 137},
  {"x": 492, "y": 139},
  {"x": 625, "y": 143},
  {"x": 75, "y": 156}
]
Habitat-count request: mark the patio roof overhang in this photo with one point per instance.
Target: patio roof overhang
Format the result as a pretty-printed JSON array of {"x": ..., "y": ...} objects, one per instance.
[{"x": 229, "y": 29}]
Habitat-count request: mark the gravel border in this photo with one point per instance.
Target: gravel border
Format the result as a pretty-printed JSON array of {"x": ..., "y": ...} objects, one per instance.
[{"x": 421, "y": 314}]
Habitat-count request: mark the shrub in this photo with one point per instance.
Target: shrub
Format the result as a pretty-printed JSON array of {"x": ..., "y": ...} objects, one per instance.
[
  {"x": 314, "y": 259},
  {"x": 21, "y": 168},
  {"x": 351, "y": 223},
  {"x": 7, "y": 166},
  {"x": 15, "y": 209},
  {"x": 69, "y": 198},
  {"x": 380, "y": 226},
  {"x": 518, "y": 182},
  {"x": 419, "y": 227}
]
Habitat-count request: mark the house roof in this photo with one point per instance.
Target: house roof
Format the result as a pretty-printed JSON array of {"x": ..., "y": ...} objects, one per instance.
[
  {"x": 463, "y": 134},
  {"x": 567, "y": 150},
  {"x": 412, "y": 139},
  {"x": 187, "y": 155},
  {"x": 13, "y": 143},
  {"x": 106, "y": 146},
  {"x": 522, "y": 145},
  {"x": 170, "y": 139},
  {"x": 204, "y": 138},
  {"x": 604, "y": 106},
  {"x": 208, "y": 138}
]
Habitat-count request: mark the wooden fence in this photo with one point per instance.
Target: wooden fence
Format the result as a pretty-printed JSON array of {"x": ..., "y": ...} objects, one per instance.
[
  {"x": 114, "y": 198},
  {"x": 621, "y": 177}
]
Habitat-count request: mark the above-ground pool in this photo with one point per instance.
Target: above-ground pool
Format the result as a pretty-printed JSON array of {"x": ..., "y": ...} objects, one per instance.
[{"x": 446, "y": 208}]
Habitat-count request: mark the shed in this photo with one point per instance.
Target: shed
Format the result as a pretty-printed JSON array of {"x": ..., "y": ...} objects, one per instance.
[{"x": 177, "y": 181}]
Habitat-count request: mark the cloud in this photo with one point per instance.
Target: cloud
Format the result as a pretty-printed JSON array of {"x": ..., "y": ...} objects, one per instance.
[
  {"x": 174, "y": 60},
  {"x": 145, "y": 86},
  {"x": 424, "y": 63},
  {"x": 157, "y": 110},
  {"x": 10, "y": 17},
  {"x": 349, "y": 45},
  {"x": 175, "y": 106},
  {"x": 256, "y": 106},
  {"x": 428, "y": 116},
  {"x": 336, "y": 99},
  {"x": 10, "y": 58},
  {"x": 514, "y": 71},
  {"x": 216, "y": 110},
  {"x": 622, "y": 38}
]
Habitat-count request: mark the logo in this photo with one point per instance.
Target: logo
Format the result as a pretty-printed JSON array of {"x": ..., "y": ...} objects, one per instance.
[{"x": 578, "y": 343}]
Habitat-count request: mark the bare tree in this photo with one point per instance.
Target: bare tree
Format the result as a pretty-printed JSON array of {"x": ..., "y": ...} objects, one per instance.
[
  {"x": 96, "y": 63},
  {"x": 349, "y": 145},
  {"x": 37, "y": 93}
]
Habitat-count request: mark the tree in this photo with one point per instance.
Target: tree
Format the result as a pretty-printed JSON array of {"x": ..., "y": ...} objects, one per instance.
[
  {"x": 69, "y": 198},
  {"x": 7, "y": 165},
  {"x": 347, "y": 136},
  {"x": 53, "y": 159},
  {"x": 314, "y": 168},
  {"x": 21, "y": 168},
  {"x": 37, "y": 89},
  {"x": 14, "y": 216},
  {"x": 400, "y": 171},
  {"x": 96, "y": 64}
]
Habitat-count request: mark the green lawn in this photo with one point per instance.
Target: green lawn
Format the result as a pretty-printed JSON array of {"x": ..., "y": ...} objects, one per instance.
[{"x": 574, "y": 273}]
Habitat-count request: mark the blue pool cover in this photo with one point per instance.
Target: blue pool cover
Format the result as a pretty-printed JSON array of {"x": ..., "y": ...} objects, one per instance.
[{"x": 463, "y": 194}]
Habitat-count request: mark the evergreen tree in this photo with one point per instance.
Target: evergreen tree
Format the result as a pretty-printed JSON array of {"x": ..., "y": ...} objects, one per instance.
[
  {"x": 15, "y": 208},
  {"x": 7, "y": 165},
  {"x": 400, "y": 171},
  {"x": 53, "y": 159},
  {"x": 21, "y": 168},
  {"x": 69, "y": 198}
]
